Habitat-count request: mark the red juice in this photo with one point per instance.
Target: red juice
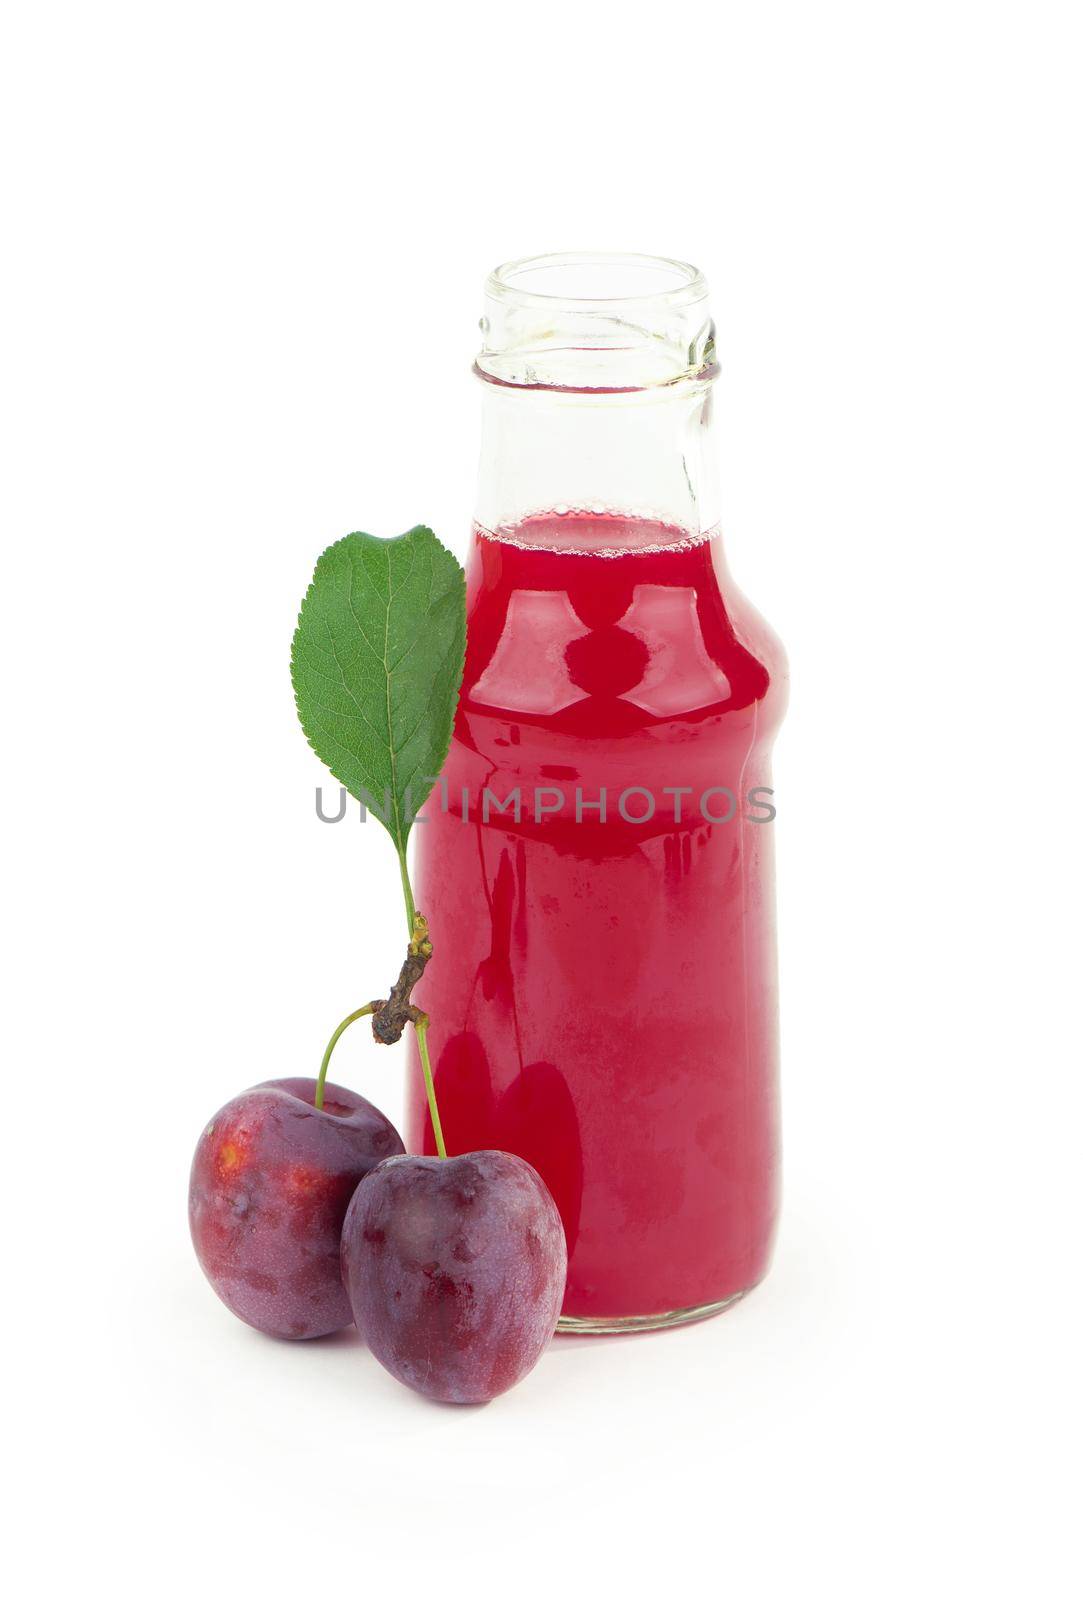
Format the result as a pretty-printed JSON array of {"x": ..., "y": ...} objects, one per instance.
[{"x": 603, "y": 993}]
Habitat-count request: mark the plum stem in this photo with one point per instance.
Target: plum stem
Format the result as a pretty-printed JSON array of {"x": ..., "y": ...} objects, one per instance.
[
  {"x": 421, "y": 1021},
  {"x": 421, "y": 1029},
  {"x": 400, "y": 1009},
  {"x": 365, "y": 1011}
]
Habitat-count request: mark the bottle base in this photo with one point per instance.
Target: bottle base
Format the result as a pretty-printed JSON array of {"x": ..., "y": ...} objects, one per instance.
[{"x": 650, "y": 1323}]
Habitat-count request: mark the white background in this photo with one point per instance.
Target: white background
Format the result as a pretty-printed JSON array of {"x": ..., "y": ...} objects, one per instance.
[{"x": 245, "y": 247}]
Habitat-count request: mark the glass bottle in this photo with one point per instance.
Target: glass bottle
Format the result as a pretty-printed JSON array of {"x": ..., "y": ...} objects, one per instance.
[{"x": 596, "y": 864}]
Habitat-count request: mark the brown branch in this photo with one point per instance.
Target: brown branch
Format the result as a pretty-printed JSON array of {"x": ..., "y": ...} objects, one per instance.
[{"x": 390, "y": 1016}]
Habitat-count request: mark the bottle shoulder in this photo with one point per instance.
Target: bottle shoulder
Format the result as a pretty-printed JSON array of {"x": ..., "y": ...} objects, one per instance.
[{"x": 608, "y": 647}]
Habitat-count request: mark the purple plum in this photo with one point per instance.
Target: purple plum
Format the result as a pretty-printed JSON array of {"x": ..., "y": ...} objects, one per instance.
[
  {"x": 455, "y": 1271},
  {"x": 270, "y": 1184}
]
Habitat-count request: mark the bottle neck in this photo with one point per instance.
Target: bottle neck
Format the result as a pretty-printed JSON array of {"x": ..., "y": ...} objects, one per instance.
[
  {"x": 643, "y": 455},
  {"x": 596, "y": 374}
]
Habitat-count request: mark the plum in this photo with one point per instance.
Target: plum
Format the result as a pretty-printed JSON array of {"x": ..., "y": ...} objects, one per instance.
[
  {"x": 455, "y": 1271},
  {"x": 271, "y": 1180}
]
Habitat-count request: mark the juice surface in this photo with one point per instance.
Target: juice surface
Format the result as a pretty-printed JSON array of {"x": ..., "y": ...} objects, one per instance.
[{"x": 602, "y": 991}]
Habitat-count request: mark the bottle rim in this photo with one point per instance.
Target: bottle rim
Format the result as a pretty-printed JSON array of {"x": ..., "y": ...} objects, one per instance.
[
  {"x": 596, "y": 323},
  {"x": 596, "y": 281}
]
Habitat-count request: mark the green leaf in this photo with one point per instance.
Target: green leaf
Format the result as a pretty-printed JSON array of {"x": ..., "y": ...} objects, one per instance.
[{"x": 376, "y": 663}]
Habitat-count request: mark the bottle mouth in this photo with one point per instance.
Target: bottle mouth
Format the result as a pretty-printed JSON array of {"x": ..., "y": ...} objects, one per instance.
[
  {"x": 592, "y": 281},
  {"x": 596, "y": 322}
]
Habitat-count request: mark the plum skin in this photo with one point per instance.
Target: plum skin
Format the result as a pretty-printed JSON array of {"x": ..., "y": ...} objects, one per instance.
[
  {"x": 455, "y": 1271},
  {"x": 271, "y": 1180}
]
